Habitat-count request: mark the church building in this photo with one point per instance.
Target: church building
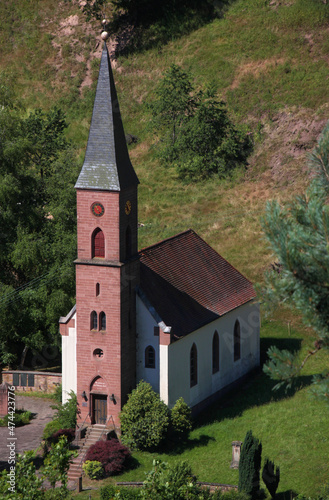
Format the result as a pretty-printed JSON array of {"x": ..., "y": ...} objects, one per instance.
[{"x": 175, "y": 314}]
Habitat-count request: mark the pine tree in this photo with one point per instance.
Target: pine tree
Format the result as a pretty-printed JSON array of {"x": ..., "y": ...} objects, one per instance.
[
  {"x": 249, "y": 465},
  {"x": 298, "y": 234}
]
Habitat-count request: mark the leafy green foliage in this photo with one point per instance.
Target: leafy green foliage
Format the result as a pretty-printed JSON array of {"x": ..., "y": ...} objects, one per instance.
[
  {"x": 119, "y": 493},
  {"x": 271, "y": 476},
  {"x": 196, "y": 133},
  {"x": 50, "y": 428},
  {"x": 249, "y": 465},
  {"x": 180, "y": 419},
  {"x": 57, "y": 463},
  {"x": 175, "y": 482},
  {"x": 38, "y": 229},
  {"x": 144, "y": 418},
  {"x": 93, "y": 469},
  {"x": 66, "y": 413},
  {"x": 298, "y": 234},
  {"x": 26, "y": 484},
  {"x": 22, "y": 417}
]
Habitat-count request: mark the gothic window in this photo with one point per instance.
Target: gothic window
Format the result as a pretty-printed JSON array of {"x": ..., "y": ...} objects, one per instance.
[
  {"x": 149, "y": 357},
  {"x": 102, "y": 321},
  {"x": 98, "y": 243},
  {"x": 193, "y": 366},
  {"x": 93, "y": 320},
  {"x": 215, "y": 353},
  {"x": 98, "y": 289},
  {"x": 237, "y": 341},
  {"x": 128, "y": 242}
]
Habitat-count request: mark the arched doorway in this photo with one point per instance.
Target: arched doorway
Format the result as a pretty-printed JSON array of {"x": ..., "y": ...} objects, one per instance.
[{"x": 98, "y": 396}]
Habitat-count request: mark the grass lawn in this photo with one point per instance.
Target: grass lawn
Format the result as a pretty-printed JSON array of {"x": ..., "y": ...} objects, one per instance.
[{"x": 292, "y": 427}]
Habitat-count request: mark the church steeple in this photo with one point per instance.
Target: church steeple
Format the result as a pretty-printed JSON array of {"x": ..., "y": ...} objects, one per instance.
[{"x": 106, "y": 165}]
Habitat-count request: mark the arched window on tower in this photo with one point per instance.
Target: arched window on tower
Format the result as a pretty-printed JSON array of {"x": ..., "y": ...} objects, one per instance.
[
  {"x": 215, "y": 353},
  {"x": 93, "y": 320},
  {"x": 102, "y": 321},
  {"x": 98, "y": 243},
  {"x": 128, "y": 242},
  {"x": 149, "y": 357},
  {"x": 193, "y": 366},
  {"x": 237, "y": 341}
]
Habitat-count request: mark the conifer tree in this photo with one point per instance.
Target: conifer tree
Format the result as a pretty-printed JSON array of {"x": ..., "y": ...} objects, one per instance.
[
  {"x": 249, "y": 465},
  {"x": 298, "y": 233}
]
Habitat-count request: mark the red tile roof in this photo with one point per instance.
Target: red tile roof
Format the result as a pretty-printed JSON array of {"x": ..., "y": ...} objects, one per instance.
[{"x": 189, "y": 284}]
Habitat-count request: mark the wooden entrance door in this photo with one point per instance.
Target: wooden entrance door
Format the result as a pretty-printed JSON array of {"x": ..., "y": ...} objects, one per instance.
[{"x": 100, "y": 409}]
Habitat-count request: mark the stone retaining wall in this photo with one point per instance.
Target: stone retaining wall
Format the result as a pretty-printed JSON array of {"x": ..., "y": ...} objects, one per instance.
[{"x": 29, "y": 381}]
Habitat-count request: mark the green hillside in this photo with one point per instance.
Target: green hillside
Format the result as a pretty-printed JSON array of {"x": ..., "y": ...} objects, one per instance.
[{"x": 270, "y": 62}]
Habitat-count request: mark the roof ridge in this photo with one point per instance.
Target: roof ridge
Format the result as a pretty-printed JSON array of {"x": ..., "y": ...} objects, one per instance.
[{"x": 166, "y": 240}]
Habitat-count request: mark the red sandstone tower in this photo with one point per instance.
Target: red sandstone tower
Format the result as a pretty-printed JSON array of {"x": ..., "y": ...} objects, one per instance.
[{"x": 107, "y": 267}]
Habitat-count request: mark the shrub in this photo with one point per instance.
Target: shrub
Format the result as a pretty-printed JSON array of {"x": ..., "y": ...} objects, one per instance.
[
  {"x": 21, "y": 417},
  {"x": 249, "y": 466},
  {"x": 68, "y": 433},
  {"x": 270, "y": 477},
  {"x": 93, "y": 469},
  {"x": 144, "y": 418},
  {"x": 110, "y": 492},
  {"x": 111, "y": 454},
  {"x": 171, "y": 482},
  {"x": 66, "y": 413},
  {"x": 180, "y": 418},
  {"x": 50, "y": 429}
]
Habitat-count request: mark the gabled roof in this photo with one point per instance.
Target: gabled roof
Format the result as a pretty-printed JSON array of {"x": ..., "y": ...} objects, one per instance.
[
  {"x": 106, "y": 165},
  {"x": 189, "y": 284}
]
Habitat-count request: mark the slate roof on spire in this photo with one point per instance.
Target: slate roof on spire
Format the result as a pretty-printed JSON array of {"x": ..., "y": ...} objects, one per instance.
[{"x": 106, "y": 165}]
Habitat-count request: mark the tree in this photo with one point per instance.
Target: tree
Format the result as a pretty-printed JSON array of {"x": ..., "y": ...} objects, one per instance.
[
  {"x": 298, "y": 235},
  {"x": 37, "y": 228},
  {"x": 180, "y": 419},
  {"x": 170, "y": 482},
  {"x": 196, "y": 133},
  {"x": 25, "y": 482},
  {"x": 249, "y": 465},
  {"x": 144, "y": 418},
  {"x": 57, "y": 463},
  {"x": 271, "y": 477}
]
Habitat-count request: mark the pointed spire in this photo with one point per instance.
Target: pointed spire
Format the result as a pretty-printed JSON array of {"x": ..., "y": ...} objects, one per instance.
[{"x": 106, "y": 165}]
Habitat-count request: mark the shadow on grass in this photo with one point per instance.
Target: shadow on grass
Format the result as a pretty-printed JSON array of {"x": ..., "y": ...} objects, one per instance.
[
  {"x": 131, "y": 464},
  {"x": 145, "y": 28},
  {"x": 291, "y": 344},
  {"x": 286, "y": 495},
  {"x": 172, "y": 447},
  {"x": 256, "y": 391}
]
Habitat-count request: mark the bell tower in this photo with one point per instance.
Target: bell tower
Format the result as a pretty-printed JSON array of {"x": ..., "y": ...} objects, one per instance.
[{"x": 107, "y": 267}]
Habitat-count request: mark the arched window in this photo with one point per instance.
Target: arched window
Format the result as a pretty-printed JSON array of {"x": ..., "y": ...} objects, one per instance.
[
  {"x": 193, "y": 366},
  {"x": 215, "y": 353},
  {"x": 149, "y": 357},
  {"x": 128, "y": 242},
  {"x": 98, "y": 243},
  {"x": 98, "y": 289},
  {"x": 93, "y": 320},
  {"x": 237, "y": 341},
  {"x": 102, "y": 321}
]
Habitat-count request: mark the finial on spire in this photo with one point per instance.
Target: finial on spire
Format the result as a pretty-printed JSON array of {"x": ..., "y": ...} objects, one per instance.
[{"x": 104, "y": 35}]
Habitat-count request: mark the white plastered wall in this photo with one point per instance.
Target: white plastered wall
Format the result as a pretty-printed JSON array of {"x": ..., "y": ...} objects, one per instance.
[
  {"x": 69, "y": 361},
  {"x": 171, "y": 377},
  {"x": 229, "y": 370},
  {"x": 145, "y": 324}
]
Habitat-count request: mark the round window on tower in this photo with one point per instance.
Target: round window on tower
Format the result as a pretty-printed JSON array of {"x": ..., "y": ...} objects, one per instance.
[{"x": 98, "y": 353}]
